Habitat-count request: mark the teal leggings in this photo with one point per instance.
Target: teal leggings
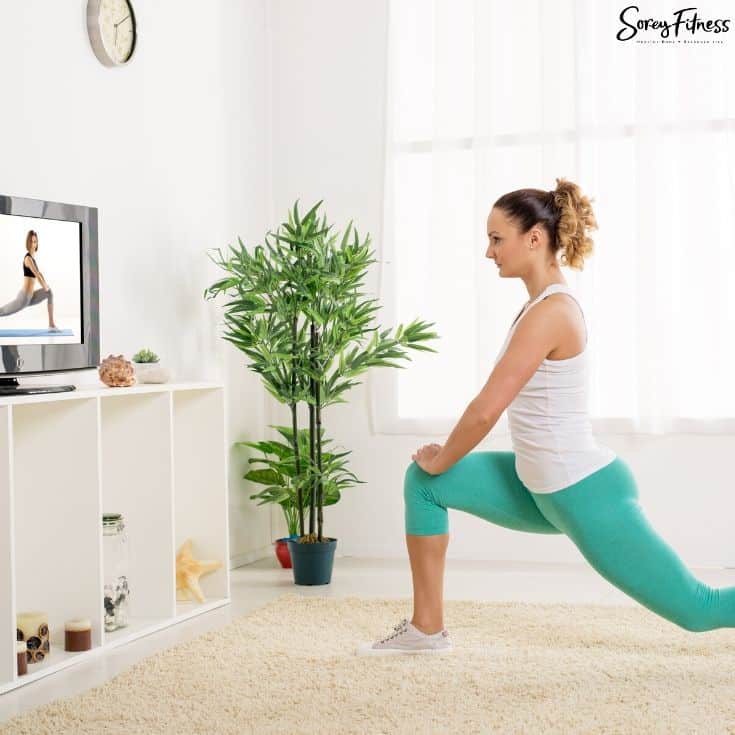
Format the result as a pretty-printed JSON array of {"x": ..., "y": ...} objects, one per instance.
[{"x": 600, "y": 514}]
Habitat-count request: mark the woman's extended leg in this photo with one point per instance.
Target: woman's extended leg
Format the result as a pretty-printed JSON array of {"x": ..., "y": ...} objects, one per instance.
[
  {"x": 19, "y": 302},
  {"x": 602, "y": 516},
  {"x": 484, "y": 484}
]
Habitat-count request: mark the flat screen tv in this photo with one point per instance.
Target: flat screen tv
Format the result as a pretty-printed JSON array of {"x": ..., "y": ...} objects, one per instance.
[{"x": 49, "y": 291}]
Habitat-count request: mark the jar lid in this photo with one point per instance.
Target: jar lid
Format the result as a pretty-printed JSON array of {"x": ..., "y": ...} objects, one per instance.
[
  {"x": 78, "y": 624},
  {"x": 21, "y": 646},
  {"x": 111, "y": 520}
]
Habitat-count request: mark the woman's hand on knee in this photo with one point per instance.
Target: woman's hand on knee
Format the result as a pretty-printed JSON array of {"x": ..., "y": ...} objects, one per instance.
[{"x": 424, "y": 457}]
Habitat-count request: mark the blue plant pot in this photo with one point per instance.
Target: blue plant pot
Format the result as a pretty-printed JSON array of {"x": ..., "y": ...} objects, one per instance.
[{"x": 312, "y": 563}]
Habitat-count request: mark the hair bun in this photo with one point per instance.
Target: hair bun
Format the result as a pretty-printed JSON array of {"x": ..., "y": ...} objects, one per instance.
[{"x": 576, "y": 218}]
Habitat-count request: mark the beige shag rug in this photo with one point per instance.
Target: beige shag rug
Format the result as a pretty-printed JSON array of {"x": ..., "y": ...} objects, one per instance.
[{"x": 290, "y": 666}]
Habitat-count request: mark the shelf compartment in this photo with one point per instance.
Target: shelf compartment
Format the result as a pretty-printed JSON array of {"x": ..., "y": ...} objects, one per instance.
[
  {"x": 200, "y": 486},
  {"x": 56, "y": 518},
  {"x": 137, "y": 482}
]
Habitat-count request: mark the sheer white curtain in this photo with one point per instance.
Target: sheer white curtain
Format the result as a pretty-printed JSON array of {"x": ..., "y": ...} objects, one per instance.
[{"x": 485, "y": 97}]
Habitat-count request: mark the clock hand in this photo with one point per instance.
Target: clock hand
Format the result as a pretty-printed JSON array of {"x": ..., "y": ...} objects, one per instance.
[{"x": 122, "y": 21}]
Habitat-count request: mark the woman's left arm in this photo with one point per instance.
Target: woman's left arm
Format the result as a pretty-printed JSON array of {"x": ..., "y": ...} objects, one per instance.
[{"x": 471, "y": 429}]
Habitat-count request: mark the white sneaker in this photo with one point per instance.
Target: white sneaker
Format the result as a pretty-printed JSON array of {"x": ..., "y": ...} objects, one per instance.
[{"x": 407, "y": 638}]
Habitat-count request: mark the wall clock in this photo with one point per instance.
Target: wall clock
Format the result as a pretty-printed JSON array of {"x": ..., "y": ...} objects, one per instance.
[{"x": 112, "y": 30}]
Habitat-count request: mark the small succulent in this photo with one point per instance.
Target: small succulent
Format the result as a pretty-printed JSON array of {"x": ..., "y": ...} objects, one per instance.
[{"x": 145, "y": 356}]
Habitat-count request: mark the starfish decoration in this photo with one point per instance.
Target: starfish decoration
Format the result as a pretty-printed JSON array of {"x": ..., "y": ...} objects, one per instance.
[{"x": 188, "y": 571}]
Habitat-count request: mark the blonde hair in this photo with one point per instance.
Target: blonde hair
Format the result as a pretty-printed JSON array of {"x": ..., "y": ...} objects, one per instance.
[{"x": 575, "y": 219}]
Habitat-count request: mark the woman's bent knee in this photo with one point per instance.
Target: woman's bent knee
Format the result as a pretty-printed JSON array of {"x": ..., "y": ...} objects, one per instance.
[{"x": 424, "y": 515}]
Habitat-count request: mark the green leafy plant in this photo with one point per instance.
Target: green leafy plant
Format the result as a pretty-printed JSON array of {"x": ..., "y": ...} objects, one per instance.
[
  {"x": 279, "y": 474},
  {"x": 295, "y": 310},
  {"x": 145, "y": 356}
]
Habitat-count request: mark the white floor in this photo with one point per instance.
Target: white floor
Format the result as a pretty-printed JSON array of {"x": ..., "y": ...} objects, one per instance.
[{"x": 255, "y": 584}]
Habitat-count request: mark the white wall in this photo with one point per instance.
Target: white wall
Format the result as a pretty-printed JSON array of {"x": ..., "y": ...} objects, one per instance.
[
  {"x": 328, "y": 115},
  {"x": 173, "y": 150}
]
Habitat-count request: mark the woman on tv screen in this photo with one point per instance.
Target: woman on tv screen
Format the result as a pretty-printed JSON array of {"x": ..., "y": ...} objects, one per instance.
[{"x": 27, "y": 296}]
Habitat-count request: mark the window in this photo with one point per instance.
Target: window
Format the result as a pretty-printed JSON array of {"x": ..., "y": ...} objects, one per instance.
[{"x": 487, "y": 97}]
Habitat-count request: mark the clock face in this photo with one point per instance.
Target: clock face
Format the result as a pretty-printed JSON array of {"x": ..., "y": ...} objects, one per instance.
[{"x": 116, "y": 26}]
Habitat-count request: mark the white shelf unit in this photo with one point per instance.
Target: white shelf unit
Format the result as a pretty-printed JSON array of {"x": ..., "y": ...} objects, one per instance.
[{"x": 155, "y": 453}]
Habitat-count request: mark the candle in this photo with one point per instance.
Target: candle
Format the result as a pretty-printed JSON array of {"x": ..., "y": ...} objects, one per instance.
[
  {"x": 21, "y": 655},
  {"x": 77, "y": 634},
  {"x": 32, "y": 627}
]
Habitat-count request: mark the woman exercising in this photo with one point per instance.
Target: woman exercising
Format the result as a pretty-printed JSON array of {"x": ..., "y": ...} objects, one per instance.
[
  {"x": 26, "y": 296},
  {"x": 557, "y": 479}
]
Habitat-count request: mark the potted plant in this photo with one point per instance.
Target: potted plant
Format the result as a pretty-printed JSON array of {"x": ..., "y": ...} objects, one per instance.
[
  {"x": 148, "y": 368},
  {"x": 296, "y": 312},
  {"x": 279, "y": 474}
]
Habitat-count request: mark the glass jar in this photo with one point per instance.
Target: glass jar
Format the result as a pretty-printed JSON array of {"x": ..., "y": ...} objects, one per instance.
[{"x": 115, "y": 562}]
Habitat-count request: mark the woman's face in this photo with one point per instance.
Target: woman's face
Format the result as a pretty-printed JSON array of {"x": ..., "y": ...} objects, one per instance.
[
  {"x": 508, "y": 247},
  {"x": 504, "y": 243},
  {"x": 34, "y": 243}
]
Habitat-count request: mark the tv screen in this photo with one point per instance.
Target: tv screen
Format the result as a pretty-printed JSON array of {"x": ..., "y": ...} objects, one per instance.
[
  {"x": 40, "y": 280},
  {"x": 49, "y": 288}
]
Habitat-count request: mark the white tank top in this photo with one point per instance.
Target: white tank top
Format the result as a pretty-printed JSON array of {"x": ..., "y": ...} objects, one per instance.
[{"x": 550, "y": 428}]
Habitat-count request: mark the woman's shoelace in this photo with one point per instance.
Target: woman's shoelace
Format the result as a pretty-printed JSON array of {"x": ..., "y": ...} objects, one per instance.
[{"x": 396, "y": 630}]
